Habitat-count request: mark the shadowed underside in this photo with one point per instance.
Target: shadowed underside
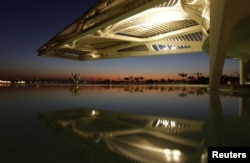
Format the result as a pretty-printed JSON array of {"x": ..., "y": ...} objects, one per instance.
[{"x": 126, "y": 28}]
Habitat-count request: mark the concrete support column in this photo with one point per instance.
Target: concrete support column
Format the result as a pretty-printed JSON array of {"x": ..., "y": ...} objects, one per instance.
[
  {"x": 216, "y": 135},
  {"x": 218, "y": 43},
  {"x": 216, "y": 68},
  {"x": 244, "y": 71},
  {"x": 244, "y": 106}
]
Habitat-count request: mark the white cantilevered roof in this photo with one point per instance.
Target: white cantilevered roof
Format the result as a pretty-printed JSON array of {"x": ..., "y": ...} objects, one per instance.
[{"x": 126, "y": 28}]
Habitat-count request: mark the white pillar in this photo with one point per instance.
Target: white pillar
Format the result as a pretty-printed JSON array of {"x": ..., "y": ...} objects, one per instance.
[
  {"x": 244, "y": 71},
  {"x": 218, "y": 43},
  {"x": 244, "y": 106},
  {"x": 216, "y": 135}
]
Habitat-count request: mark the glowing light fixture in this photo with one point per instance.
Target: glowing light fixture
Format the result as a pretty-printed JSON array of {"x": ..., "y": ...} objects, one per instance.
[
  {"x": 94, "y": 56},
  {"x": 172, "y": 155},
  {"x": 93, "y": 112}
]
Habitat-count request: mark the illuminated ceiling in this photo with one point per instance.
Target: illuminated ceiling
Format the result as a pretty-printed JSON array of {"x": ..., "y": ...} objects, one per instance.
[{"x": 126, "y": 28}]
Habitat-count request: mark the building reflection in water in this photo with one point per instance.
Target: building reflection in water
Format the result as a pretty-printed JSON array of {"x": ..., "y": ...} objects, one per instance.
[
  {"x": 183, "y": 91},
  {"x": 108, "y": 136},
  {"x": 228, "y": 131}
]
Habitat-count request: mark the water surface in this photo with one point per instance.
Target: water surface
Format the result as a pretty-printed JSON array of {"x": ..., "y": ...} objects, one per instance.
[{"x": 24, "y": 138}]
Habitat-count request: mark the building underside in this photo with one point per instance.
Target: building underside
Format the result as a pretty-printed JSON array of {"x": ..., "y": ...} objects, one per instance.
[{"x": 127, "y": 28}]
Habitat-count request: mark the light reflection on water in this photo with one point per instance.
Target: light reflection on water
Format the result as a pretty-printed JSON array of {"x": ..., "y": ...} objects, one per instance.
[
  {"x": 20, "y": 107},
  {"x": 154, "y": 100}
]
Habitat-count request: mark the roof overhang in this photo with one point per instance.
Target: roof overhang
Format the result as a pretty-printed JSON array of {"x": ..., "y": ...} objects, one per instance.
[{"x": 127, "y": 28}]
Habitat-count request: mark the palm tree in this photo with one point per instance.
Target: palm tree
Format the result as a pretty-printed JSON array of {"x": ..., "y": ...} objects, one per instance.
[
  {"x": 198, "y": 74},
  {"x": 138, "y": 79},
  {"x": 141, "y": 78},
  {"x": 191, "y": 78},
  {"x": 182, "y": 75},
  {"x": 126, "y": 79},
  {"x": 131, "y": 79}
]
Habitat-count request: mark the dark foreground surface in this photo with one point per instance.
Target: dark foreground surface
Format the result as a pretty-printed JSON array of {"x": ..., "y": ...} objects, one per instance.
[{"x": 126, "y": 123}]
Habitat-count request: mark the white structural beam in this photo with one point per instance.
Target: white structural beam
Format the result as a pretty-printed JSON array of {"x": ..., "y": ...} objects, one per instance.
[
  {"x": 244, "y": 71},
  {"x": 217, "y": 43},
  {"x": 225, "y": 16},
  {"x": 123, "y": 28}
]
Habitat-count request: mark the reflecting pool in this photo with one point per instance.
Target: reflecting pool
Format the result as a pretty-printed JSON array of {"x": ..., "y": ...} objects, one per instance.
[{"x": 131, "y": 123}]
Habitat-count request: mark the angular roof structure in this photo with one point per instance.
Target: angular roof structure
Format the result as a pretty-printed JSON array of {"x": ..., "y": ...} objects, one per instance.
[
  {"x": 105, "y": 136},
  {"x": 127, "y": 28}
]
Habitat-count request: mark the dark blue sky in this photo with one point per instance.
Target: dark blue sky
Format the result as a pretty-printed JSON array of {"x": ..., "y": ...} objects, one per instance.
[{"x": 27, "y": 24}]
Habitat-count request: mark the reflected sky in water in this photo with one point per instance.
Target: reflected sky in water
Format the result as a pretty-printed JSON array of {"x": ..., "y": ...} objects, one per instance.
[
  {"x": 154, "y": 100},
  {"x": 25, "y": 137}
]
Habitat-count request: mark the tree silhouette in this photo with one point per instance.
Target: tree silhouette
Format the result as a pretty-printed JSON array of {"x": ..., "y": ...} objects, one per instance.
[
  {"x": 138, "y": 79},
  {"x": 182, "y": 75},
  {"x": 191, "y": 78},
  {"x": 75, "y": 78},
  {"x": 129, "y": 79},
  {"x": 198, "y": 74}
]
